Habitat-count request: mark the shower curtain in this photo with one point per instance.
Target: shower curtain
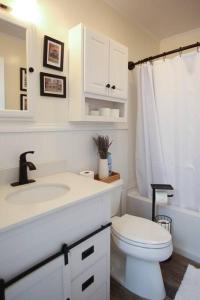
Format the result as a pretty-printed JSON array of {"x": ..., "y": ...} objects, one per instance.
[{"x": 168, "y": 128}]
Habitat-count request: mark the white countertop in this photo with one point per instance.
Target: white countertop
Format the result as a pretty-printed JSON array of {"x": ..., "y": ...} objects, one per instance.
[{"x": 81, "y": 188}]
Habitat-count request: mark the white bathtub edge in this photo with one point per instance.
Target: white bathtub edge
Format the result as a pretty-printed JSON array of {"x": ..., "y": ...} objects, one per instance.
[{"x": 185, "y": 242}]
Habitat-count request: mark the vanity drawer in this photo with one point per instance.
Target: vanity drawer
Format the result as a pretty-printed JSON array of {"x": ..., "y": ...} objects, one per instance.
[
  {"x": 100, "y": 293},
  {"x": 88, "y": 283},
  {"x": 88, "y": 252}
]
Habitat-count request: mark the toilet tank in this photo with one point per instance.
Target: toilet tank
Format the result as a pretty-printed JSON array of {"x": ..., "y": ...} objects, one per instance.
[{"x": 116, "y": 197}]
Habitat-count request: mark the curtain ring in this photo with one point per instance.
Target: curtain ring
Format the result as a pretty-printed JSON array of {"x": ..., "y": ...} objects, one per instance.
[
  {"x": 164, "y": 56},
  {"x": 180, "y": 51},
  {"x": 198, "y": 45},
  {"x": 151, "y": 60}
]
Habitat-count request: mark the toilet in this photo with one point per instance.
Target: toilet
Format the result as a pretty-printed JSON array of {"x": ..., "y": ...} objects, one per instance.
[{"x": 138, "y": 246}]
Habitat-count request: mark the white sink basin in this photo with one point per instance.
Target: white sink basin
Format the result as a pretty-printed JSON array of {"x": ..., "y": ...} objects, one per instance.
[{"x": 37, "y": 193}]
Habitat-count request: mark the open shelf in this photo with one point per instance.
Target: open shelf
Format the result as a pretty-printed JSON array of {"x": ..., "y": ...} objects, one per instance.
[{"x": 92, "y": 104}]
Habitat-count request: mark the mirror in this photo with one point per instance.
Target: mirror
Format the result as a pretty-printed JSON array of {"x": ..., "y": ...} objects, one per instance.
[{"x": 13, "y": 66}]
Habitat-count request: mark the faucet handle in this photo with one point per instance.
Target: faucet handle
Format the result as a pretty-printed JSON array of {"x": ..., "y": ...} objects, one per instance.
[{"x": 23, "y": 155}]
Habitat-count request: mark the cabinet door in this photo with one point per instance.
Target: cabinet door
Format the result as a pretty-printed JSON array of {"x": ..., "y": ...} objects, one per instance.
[
  {"x": 96, "y": 60},
  {"x": 51, "y": 282},
  {"x": 118, "y": 70}
]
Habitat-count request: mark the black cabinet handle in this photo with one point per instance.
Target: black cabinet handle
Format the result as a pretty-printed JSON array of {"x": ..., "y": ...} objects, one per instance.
[
  {"x": 113, "y": 87},
  {"x": 87, "y": 252},
  {"x": 108, "y": 85},
  {"x": 87, "y": 283},
  {"x": 31, "y": 69}
]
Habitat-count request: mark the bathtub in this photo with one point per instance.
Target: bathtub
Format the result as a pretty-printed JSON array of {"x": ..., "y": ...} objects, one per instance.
[{"x": 185, "y": 223}]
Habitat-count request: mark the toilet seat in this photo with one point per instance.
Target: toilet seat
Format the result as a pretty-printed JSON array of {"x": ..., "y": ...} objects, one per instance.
[{"x": 140, "y": 232}]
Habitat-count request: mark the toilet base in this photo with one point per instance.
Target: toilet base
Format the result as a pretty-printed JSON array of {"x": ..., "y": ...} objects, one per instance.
[{"x": 144, "y": 278}]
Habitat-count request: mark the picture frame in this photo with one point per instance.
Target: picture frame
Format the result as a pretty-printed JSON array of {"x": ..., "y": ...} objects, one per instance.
[
  {"x": 23, "y": 102},
  {"x": 23, "y": 79},
  {"x": 53, "y": 53},
  {"x": 52, "y": 85}
]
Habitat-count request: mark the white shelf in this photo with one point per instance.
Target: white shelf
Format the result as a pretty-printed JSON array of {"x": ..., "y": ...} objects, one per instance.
[
  {"x": 90, "y": 118},
  {"x": 104, "y": 98}
]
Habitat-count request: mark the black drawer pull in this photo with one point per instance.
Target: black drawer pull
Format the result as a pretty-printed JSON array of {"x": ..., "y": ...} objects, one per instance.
[
  {"x": 87, "y": 252},
  {"x": 87, "y": 283}
]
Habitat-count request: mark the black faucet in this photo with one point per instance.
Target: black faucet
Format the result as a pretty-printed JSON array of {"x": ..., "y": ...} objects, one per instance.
[{"x": 23, "y": 164}]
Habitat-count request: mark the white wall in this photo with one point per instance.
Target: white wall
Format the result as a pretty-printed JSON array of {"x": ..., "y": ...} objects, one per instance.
[
  {"x": 58, "y": 17},
  {"x": 75, "y": 146},
  {"x": 180, "y": 40}
]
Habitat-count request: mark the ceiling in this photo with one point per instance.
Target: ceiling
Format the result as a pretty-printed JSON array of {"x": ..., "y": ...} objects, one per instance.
[{"x": 161, "y": 18}]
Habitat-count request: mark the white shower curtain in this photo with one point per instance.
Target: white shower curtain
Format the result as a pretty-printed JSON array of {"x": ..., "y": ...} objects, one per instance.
[{"x": 168, "y": 128}]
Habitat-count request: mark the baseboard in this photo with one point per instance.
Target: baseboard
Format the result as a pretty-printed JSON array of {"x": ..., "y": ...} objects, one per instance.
[{"x": 187, "y": 254}]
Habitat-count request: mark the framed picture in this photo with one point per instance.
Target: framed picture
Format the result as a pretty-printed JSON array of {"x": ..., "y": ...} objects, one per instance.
[
  {"x": 52, "y": 85},
  {"x": 53, "y": 54},
  {"x": 23, "y": 80},
  {"x": 23, "y": 102}
]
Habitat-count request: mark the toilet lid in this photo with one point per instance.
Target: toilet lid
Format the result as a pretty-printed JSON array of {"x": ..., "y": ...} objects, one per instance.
[{"x": 140, "y": 230}]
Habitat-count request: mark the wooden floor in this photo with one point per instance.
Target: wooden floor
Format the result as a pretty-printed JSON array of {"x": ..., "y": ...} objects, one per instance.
[{"x": 173, "y": 271}]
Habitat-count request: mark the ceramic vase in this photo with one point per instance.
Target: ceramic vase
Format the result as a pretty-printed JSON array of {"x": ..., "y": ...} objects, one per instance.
[{"x": 103, "y": 168}]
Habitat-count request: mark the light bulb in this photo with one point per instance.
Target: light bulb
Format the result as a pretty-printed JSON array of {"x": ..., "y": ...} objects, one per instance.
[{"x": 26, "y": 10}]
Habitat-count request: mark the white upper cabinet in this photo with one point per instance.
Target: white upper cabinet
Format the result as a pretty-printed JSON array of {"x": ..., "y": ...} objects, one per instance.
[
  {"x": 98, "y": 77},
  {"x": 118, "y": 75},
  {"x": 105, "y": 66},
  {"x": 96, "y": 63}
]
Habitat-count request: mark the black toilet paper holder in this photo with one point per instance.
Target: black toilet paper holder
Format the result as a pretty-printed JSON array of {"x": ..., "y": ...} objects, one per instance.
[{"x": 167, "y": 187}]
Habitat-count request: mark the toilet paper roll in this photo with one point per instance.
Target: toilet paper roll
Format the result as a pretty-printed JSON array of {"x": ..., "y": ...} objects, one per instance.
[
  {"x": 87, "y": 173},
  {"x": 105, "y": 111},
  {"x": 94, "y": 112},
  {"x": 115, "y": 113},
  {"x": 161, "y": 197}
]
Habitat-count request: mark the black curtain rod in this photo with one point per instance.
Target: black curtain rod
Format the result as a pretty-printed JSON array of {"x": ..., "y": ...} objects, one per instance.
[{"x": 131, "y": 64}]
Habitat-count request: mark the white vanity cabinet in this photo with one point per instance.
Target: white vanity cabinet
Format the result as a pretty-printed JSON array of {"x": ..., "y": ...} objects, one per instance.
[
  {"x": 98, "y": 75},
  {"x": 84, "y": 277},
  {"x": 82, "y": 226}
]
